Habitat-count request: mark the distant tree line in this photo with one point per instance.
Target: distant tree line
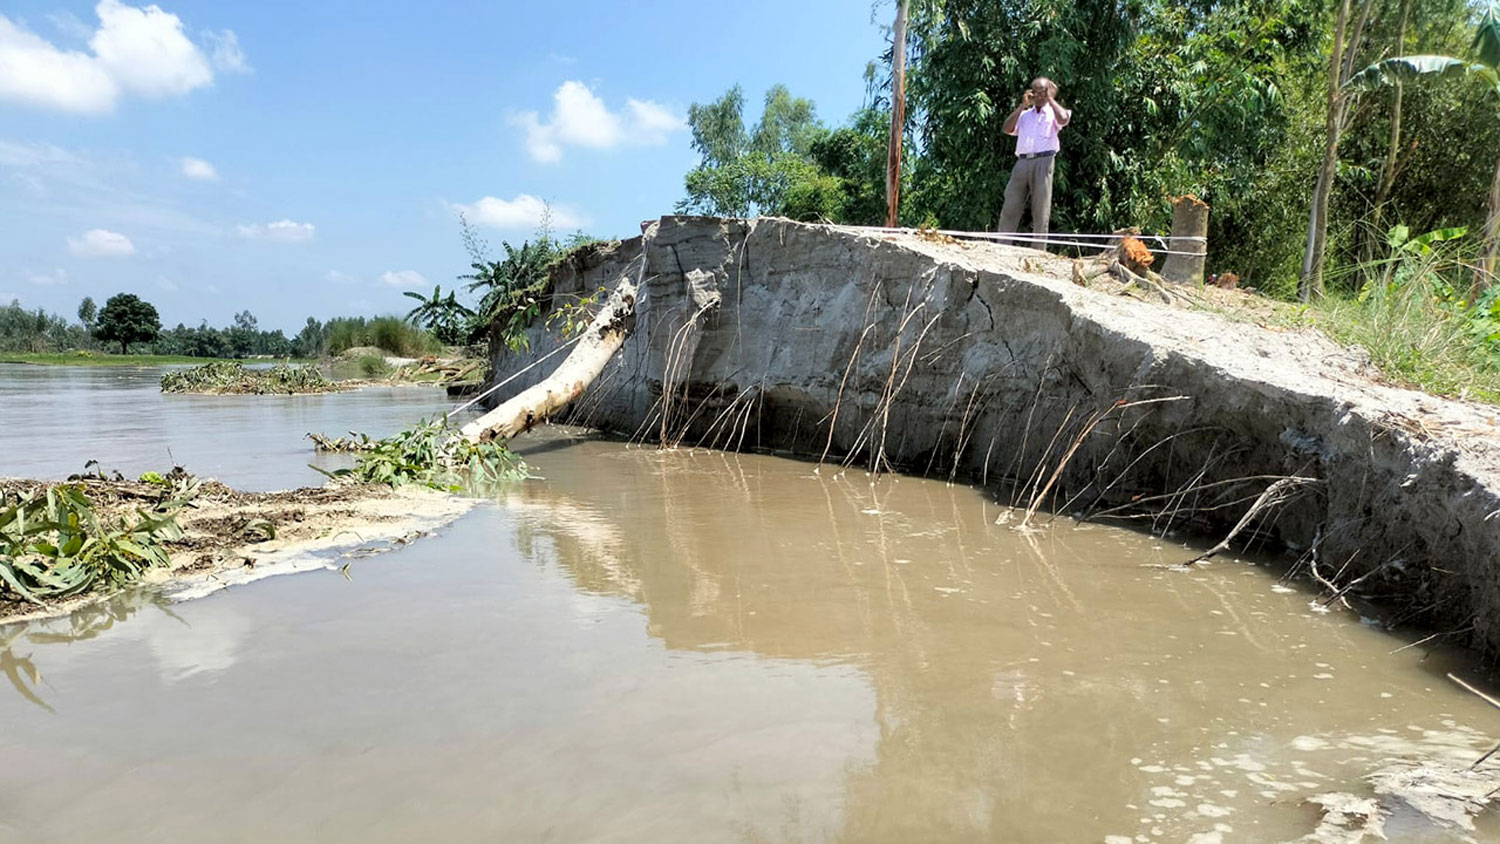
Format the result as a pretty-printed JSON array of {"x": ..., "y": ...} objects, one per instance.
[{"x": 128, "y": 324}]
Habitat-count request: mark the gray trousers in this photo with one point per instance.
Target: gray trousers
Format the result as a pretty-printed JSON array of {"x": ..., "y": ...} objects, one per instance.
[{"x": 1031, "y": 177}]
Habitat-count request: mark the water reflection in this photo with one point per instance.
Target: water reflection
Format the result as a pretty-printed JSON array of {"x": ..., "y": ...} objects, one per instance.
[
  {"x": 179, "y": 649},
  {"x": 1015, "y": 676},
  {"x": 691, "y": 646},
  {"x": 87, "y": 622}
]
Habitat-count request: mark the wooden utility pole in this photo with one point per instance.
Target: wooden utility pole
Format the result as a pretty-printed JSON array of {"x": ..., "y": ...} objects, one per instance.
[{"x": 898, "y": 116}]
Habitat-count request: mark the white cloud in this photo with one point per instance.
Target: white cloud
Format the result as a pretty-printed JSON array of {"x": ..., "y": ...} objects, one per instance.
[
  {"x": 145, "y": 51},
  {"x": 33, "y": 72},
  {"x": 284, "y": 231},
  {"x": 139, "y": 51},
  {"x": 101, "y": 243},
  {"x": 227, "y": 55},
  {"x": 580, "y": 118},
  {"x": 403, "y": 278},
  {"x": 523, "y": 212},
  {"x": 197, "y": 168},
  {"x": 652, "y": 122},
  {"x": 52, "y": 279}
]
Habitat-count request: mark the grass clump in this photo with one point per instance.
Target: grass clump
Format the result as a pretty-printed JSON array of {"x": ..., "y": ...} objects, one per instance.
[
  {"x": 1419, "y": 341},
  {"x": 431, "y": 454},
  {"x": 372, "y": 366},
  {"x": 1413, "y": 316},
  {"x": 392, "y": 334},
  {"x": 54, "y": 543},
  {"x": 231, "y": 377}
]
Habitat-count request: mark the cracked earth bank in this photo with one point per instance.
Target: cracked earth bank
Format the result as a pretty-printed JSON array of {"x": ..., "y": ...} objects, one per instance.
[{"x": 985, "y": 362}]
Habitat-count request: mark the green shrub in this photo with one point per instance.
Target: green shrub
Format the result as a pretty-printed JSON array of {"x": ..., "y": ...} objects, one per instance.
[
  {"x": 1412, "y": 317},
  {"x": 372, "y": 366}
]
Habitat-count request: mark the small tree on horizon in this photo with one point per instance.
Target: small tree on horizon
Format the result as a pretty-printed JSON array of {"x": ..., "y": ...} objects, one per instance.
[
  {"x": 126, "y": 319},
  {"x": 88, "y": 312}
]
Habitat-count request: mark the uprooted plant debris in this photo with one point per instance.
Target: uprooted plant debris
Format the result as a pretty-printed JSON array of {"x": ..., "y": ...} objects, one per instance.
[
  {"x": 63, "y": 539},
  {"x": 231, "y": 377},
  {"x": 97, "y": 534},
  {"x": 432, "y": 453},
  {"x": 341, "y": 445}
]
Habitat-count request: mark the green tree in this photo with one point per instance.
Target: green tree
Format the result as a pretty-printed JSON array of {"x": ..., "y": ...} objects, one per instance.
[
  {"x": 87, "y": 312},
  {"x": 126, "y": 319},
  {"x": 766, "y": 169},
  {"x": 855, "y": 155},
  {"x": 510, "y": 290},
  {"x": 310, "y": 341},
  {"x": 1485, "y": 67},
  {"x": 242, "y": 334}
]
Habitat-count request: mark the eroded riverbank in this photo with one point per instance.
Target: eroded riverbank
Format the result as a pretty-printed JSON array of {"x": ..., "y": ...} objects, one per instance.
[{"x": 990, "y": 363}]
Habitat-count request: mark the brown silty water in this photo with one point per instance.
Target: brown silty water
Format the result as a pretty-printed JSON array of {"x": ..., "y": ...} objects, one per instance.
[{"x": 696, "y": 646}]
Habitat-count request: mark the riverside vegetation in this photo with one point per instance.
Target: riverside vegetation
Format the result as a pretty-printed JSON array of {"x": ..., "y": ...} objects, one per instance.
[
  {"x": 231, "y": 377},
  {"x": 1243, "y": 103},
  {"x": 97, "y": 533}
]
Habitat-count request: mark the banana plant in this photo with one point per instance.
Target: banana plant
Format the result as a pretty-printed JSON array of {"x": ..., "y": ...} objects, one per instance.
[
  {"x": 1483, "y": 65},
  {"x": 443, "y": 315}
]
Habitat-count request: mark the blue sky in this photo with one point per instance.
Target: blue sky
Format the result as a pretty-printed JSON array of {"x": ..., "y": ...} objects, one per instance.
[{"x": 308, "y": 158}]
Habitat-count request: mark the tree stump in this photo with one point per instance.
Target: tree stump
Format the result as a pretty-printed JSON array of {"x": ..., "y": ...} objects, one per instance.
[{"x": 1189, "y": 241}]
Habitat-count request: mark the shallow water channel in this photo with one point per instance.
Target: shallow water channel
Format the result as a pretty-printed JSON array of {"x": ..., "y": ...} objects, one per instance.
[{"x": 651, "y": 646}]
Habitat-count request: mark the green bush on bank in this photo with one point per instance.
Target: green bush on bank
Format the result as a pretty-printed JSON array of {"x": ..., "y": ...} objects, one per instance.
[{"x": 1411, "y": 313}]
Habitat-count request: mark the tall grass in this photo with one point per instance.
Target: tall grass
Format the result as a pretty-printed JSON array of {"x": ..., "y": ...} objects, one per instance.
[
  {"x": 1412, "y": 317},
  {"x": 389, "y": 333}
]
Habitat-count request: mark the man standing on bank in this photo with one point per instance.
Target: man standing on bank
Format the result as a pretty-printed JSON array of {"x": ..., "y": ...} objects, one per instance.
[{"x": 1035, "y": 124}]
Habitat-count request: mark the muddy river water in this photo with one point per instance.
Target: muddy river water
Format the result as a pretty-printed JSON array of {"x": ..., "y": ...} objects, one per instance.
[{"x": 682, "y": 646}]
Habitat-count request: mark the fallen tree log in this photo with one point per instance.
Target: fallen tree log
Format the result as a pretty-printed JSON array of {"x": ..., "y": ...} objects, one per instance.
[{"x": 603, "y": 337}]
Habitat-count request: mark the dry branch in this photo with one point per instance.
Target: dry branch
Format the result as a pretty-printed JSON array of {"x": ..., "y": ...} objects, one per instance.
[
  {"x": 1099, "y": 416},
  {"x": 1277, "y": 493}
]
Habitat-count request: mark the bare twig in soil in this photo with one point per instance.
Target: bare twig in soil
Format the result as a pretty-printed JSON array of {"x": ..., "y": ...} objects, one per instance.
[
  {"x": 839, "y": 399},
  {"x": 1362, "y": 578},
  {"x": 1277, "y": 493},
  {"x": 1088, "y": 428},
  {"x": 1168, "y": 495}
]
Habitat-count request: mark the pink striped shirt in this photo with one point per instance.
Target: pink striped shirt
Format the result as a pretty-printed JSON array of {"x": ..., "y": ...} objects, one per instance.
[{"x": 1036, "y": 131}]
